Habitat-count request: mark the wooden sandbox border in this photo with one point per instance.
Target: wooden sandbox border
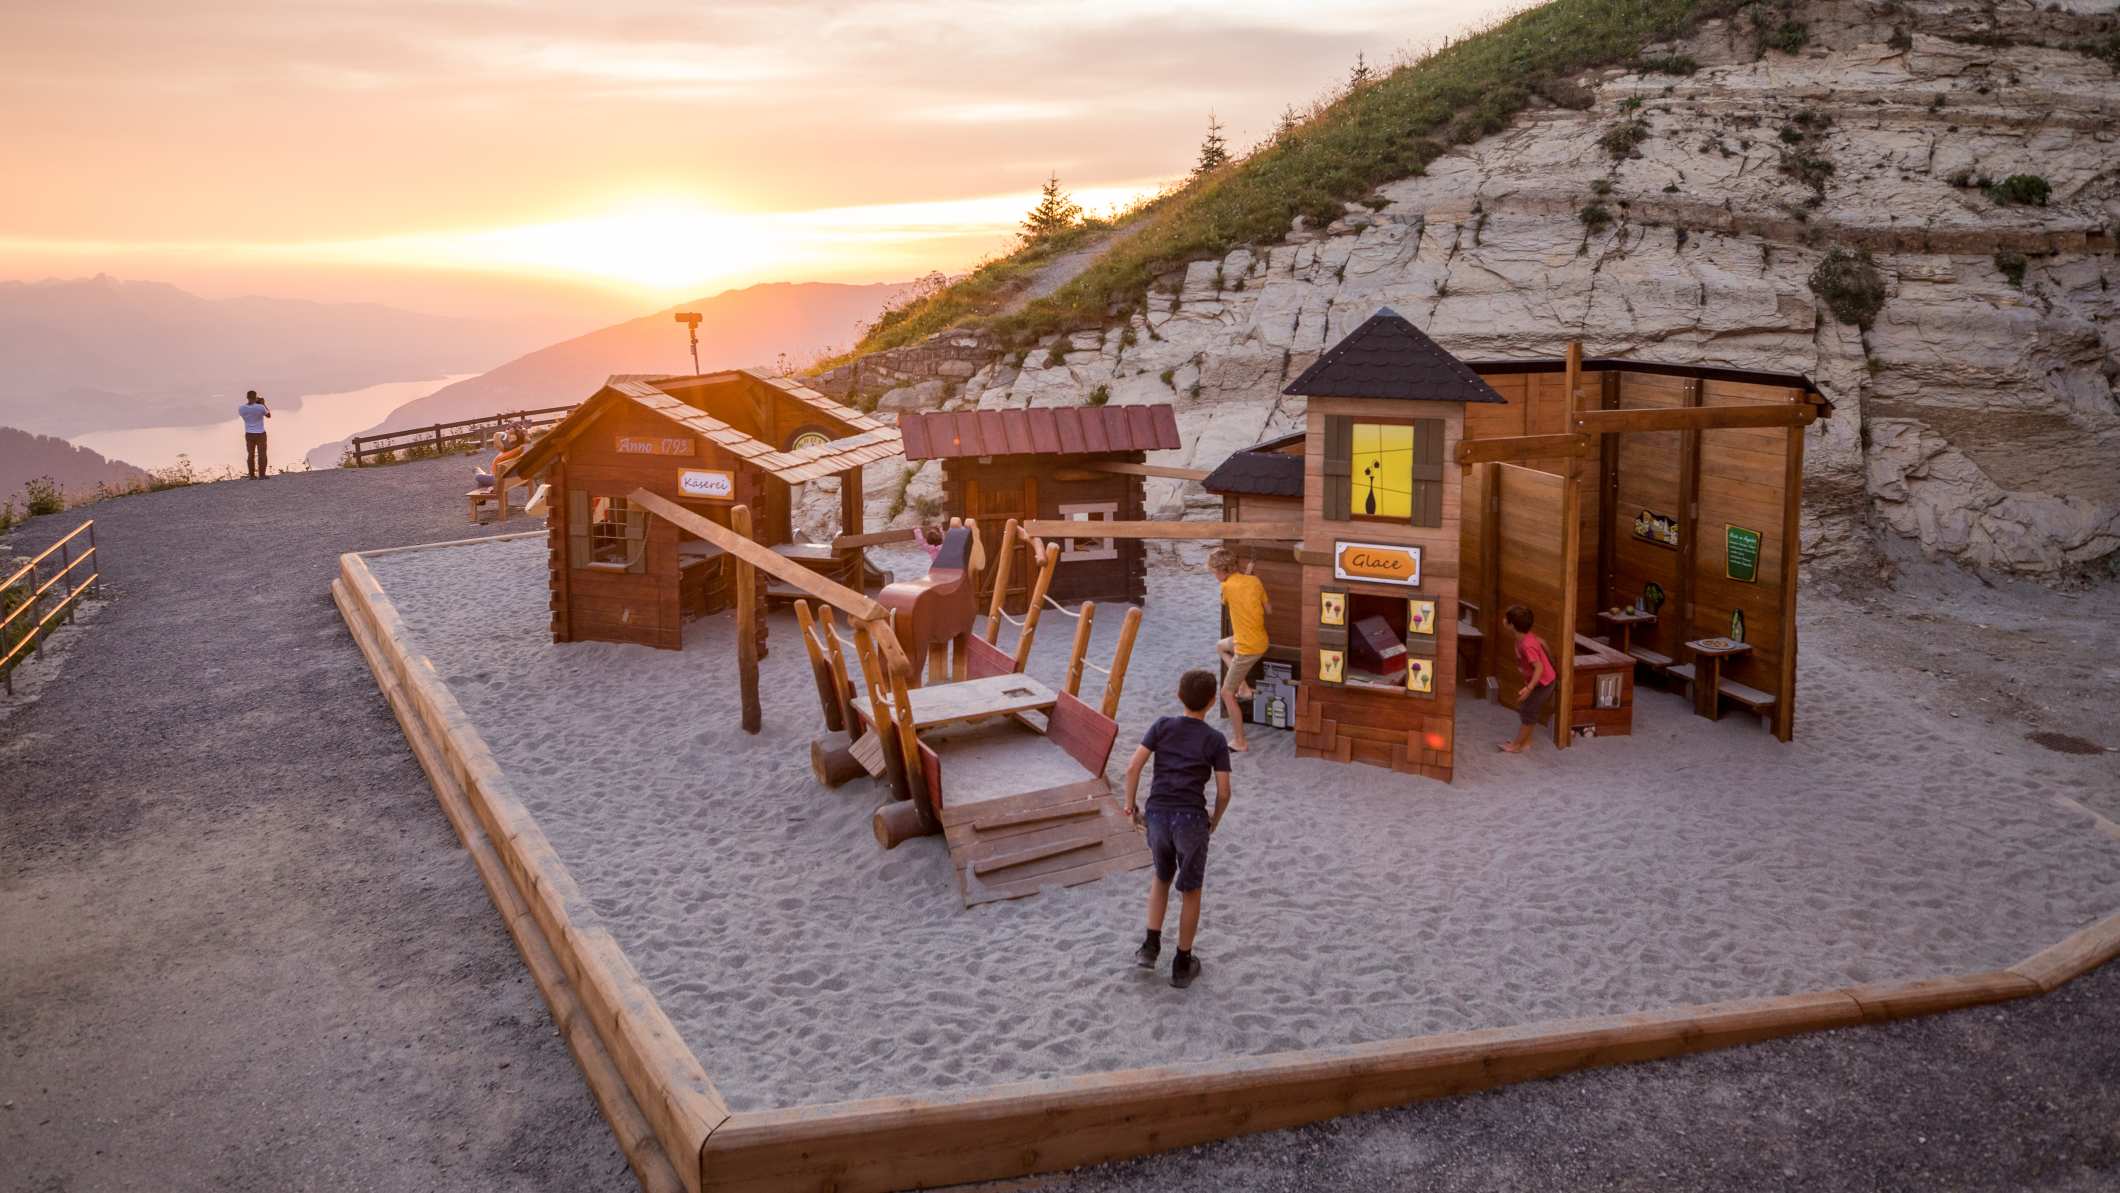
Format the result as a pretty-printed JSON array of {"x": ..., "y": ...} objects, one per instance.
[{"x": 678, "y": 1133}]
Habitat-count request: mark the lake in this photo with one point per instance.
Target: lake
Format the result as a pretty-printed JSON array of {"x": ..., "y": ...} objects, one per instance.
[{"x": 295, "y": 430}]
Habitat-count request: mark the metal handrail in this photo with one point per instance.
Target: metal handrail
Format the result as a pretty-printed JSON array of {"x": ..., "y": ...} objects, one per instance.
[
  {"x": 33, "y": 637},
  {"x": 362, "y": 446},
  {"x": 71, "y": 535}
]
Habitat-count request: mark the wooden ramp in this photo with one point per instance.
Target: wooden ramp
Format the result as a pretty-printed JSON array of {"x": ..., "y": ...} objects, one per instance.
[{"x": 1024, "y": 844}]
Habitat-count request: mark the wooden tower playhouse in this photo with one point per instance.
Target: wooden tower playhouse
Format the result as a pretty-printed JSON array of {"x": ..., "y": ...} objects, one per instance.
[
  {"x": 1380, "y": 548},
  {"x": 1647, "y": 514},
  {"x": 710, "y": 444}
]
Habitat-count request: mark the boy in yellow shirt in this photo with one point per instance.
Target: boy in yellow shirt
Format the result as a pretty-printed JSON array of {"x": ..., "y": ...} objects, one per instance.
[{"x": 1246, "y": 644}]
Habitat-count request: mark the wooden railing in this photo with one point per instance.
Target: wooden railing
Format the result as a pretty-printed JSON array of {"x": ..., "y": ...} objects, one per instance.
[
  {"x": 42, "y": 593},
  {"x": 387, "y": 447}
]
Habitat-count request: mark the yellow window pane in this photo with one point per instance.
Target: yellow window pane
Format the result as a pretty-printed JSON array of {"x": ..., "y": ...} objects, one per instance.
[{"x": 1381, "y": 469}]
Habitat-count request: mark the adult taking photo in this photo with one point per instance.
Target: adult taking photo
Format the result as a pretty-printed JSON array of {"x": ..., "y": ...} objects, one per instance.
[{"x": 254, "y": 412}]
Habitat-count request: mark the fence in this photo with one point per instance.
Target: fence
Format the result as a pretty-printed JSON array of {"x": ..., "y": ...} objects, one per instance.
[
  {"x": 466, "y": 434},
  {"x": 32, "y": 587}
]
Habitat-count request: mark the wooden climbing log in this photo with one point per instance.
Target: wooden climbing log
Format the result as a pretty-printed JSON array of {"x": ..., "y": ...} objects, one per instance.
[
  {"x": 1007, "y": 549},
  {"x": 1074, "y": 658},
  {"x": 821, "y": 669}
]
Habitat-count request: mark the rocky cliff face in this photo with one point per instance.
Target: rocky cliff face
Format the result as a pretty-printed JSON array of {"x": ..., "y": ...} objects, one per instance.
[{"x": 1681, "y": 217}]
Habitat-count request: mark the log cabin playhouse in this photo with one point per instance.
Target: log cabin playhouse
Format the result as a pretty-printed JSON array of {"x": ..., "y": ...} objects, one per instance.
[
  {"x": 1063, "y": 463},
  {"x": 1647, "y": 513},
  {"x": 709, "y": 443}
]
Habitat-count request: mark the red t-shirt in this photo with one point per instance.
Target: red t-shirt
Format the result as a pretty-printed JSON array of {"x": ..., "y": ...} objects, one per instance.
[{"x": 1531, "y": 656}]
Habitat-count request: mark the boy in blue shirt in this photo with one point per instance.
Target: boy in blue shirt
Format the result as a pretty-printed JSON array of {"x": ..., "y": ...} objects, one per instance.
[{"x": 1187, "y": 749}]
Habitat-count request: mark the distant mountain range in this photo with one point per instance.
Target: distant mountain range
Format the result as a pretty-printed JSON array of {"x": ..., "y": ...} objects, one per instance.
[
  {"x": 100, "y": 354},
  {"x": 752, "y": 326},
  {"x": 76, "y": 470}
]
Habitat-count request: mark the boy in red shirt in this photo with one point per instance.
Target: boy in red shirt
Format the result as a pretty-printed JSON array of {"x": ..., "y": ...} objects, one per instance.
[{"x": 1535, "y": 663}]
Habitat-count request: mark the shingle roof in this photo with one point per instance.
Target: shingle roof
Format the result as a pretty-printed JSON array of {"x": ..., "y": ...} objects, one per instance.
[
  {"x": 871, "y": 441},
  {"x": 1257, "y": 474},
  {"x": 1387, "y": 357},
  {"x": 1041, "y": 431}
]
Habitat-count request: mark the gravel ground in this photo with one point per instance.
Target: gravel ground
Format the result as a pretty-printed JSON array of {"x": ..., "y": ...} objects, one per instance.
[
  {"x": 218, "y": 973},
  {"x": 242, "y": 949}
]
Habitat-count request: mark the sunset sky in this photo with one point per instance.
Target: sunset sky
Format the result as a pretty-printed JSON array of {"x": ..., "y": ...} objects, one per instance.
[{"x": 628, "y": 152}]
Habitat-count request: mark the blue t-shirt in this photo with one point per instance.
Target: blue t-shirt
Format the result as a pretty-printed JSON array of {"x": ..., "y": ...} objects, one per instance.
[
  {"x": 1188, "y": 751},
  {"x": 253, "y": 417}
]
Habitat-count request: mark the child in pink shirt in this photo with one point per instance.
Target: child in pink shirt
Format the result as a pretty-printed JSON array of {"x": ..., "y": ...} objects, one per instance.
[{"x": 1535, "y": 663}]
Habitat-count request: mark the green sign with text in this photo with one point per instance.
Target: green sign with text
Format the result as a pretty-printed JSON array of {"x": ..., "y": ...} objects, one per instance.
[{"x": 1742, "y": 555}]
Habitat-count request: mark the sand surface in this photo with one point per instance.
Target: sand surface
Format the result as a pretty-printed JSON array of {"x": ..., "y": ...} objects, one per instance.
[{"x": 1692, "y": 862}]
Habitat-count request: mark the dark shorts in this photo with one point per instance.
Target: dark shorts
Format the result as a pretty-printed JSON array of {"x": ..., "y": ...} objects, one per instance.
[
  {"x": 1536, "y": 704},
  {"x": 1177, "y": 839}
]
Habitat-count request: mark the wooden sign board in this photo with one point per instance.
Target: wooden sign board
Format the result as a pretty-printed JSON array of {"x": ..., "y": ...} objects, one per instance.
[
  {"x": 1657, "y": 530},
  {"x": 1741, "y": 554},
  {"x": 653, "y": 445},
  {"x": 711, "y": 484},
  {"x": 1380, "y": 563}
]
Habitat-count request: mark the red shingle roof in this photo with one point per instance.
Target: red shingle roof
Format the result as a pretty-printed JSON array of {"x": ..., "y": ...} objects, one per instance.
[{"x": 1044, "y": 431}]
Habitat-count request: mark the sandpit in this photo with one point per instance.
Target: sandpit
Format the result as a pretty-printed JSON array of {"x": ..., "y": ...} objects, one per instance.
[{"x": 1691, "y": 863}]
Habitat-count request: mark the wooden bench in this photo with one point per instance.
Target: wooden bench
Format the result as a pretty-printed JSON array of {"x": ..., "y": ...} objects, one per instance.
[
  {"x": 1660, "y": 662},
  {"x": 1752, "y": 698}
]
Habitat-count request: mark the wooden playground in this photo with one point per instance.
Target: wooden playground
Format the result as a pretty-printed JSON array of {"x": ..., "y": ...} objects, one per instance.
[{"x": 1648, "y": 513}]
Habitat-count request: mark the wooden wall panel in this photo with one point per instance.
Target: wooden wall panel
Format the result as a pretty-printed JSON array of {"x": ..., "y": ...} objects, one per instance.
[
  {"x": 1743, "y": 478},
  {"x": 1531, "y": 502},
  {"x": 1649, "y": 465}
]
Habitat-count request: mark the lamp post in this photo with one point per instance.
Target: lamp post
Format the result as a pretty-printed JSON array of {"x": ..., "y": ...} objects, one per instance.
[{"x": 691, "y": 321}]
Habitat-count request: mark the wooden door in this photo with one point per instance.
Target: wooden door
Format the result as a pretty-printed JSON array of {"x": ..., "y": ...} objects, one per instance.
[{"x": 991, "y": 503}]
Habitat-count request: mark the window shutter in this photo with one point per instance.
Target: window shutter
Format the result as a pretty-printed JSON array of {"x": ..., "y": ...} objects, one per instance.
[
  {"x": 577, "y": 528},
  {"x": 636, "y": 538},
  {"x": 1339, "y": 447},
  {"x": 1428, "y": 472}
]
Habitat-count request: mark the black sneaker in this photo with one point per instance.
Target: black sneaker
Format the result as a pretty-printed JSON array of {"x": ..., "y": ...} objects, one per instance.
[
  {"x": 1183, "y": 970},
  {"x": 1146, "y": 955}
]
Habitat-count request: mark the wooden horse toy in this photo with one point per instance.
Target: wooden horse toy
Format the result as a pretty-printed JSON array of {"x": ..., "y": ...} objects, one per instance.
[{"x": 933, "y": 615}]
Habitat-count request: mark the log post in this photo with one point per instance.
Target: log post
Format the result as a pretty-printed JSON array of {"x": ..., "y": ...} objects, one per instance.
[
  {"x": 820, "y": 668},
  {"x": 1001, "y": 571},
  {"x": 1074, "y": 658},
  {"x": 746, "y": 625},
  {"x": 1115, "y": 682},
  {"x": 1049, "y": 558}
]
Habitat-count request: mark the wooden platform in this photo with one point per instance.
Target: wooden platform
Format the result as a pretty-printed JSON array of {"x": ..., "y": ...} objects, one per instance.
[
  {"x": 678, "y": 1133},
  {"x": 1009, "y": 848}
]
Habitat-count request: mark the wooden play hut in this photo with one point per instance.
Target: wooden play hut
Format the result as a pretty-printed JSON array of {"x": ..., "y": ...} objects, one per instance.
[
  {"x": 1264, "y": 484},
  {"x": 1067, "y": 463},
  {"x": 1646, "y": 513},
  {"x": 1601, "y": 485},
  {"x": 708, "y": 443}
]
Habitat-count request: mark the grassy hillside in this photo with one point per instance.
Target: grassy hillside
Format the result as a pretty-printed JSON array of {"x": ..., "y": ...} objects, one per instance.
[{"x": 1389, "y": 128}]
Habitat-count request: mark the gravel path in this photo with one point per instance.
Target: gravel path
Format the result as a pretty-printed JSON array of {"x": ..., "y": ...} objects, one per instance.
[
  {"x": 242, "y": 949},
  {"x": 239, "y": 949}
]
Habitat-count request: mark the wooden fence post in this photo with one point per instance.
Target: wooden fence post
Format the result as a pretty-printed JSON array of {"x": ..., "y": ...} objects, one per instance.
[{"x": 746, "y": 624}]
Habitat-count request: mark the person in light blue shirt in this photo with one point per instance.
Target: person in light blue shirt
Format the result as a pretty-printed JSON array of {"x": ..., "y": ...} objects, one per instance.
[{"x": 254, "y": 412}]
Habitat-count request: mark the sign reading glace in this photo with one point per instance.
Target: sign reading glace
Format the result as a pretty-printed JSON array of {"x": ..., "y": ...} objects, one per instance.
[
  {"x": 1382, "y": 563},
  {"x": 716, "y": 484}
]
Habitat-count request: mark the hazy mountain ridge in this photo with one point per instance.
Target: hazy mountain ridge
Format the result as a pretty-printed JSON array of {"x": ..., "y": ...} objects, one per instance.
[
  {"x": 103, "y": 353},
  {"x": 77, "y": 470},
  {"x": 751, "y": 326}
]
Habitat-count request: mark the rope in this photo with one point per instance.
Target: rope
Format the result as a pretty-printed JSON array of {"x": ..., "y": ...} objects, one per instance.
[
  {"x": 1062, "y": 609},
  {"x": 1095, "y": 668},
  {"x": 1014, "y": 621}
]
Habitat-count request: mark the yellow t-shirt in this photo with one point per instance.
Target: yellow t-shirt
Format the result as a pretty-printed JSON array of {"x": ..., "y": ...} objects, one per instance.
[{"x": 1246, "y": 598}]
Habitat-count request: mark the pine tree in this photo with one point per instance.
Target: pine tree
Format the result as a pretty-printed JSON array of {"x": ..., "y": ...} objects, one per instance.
[
  {"x": 1056, "y": 212},
  {"x": 1214, "y": 152},
  {"x": 1287, "y": 125},
  {"x": 1360, "y": 76}
]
